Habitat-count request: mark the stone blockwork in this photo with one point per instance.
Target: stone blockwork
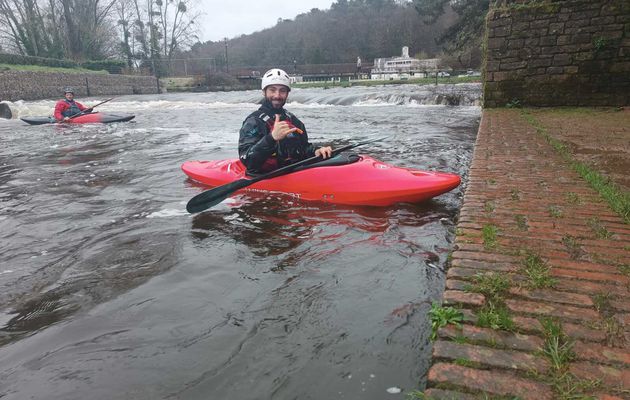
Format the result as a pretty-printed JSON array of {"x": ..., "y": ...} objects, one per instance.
[
  {"x": 558, "y": 53},
  {"x": 28, "y": 85}
]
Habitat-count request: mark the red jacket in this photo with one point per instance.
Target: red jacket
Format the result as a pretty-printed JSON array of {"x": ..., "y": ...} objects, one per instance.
[{"x": 63, "y": 105}]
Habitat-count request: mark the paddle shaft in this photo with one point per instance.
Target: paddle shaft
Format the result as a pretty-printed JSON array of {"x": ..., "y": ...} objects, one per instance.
[
  {"x": 82, "y": 112},
  {"x": 214, "y": 196}
]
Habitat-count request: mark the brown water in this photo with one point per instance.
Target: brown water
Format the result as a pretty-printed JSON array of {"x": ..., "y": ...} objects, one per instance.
[{"x": 110, "y": 290}]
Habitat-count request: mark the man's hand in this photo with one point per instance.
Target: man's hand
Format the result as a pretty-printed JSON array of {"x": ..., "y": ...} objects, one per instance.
[
  {"x": 324, "y": 152},
  {"x": 281, "y": 129},
  {"x": 66, "y": 119}
]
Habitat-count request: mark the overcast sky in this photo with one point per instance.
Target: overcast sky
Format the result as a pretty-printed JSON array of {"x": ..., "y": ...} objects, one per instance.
[{"x": 232, "y": 18}]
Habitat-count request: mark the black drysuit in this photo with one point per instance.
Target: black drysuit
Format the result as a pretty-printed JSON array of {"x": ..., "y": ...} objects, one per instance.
[{"x": 258, "y": 150}]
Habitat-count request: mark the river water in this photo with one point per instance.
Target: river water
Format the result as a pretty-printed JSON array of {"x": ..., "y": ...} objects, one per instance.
[{"x": 110, "y": 290}]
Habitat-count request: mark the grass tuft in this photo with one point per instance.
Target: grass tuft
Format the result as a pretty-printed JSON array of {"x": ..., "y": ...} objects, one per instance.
[
  {"x": 521, "y": 222},
  {"x": 600, "y": 230},
  {"x": 573, "y": 198},
  {"x": 574, "y": 248},
  {"x": 537, "y": 272},
  {"x": 489, "y": 234},
  {"x": 558, "y": 347},
  {"x": 492, "y": 285},
  {"x": 495, "y": 315}
]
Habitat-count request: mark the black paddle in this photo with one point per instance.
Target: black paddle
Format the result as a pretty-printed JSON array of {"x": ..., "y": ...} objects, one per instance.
[
  {"x": 212, "y": 197},
  {"x": 90, "y": 108}
]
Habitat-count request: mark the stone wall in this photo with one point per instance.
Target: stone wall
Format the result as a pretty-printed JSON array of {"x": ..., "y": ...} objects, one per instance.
[
  {"x": 28, "y": 85},
  {"x": 558, "y": 53}
]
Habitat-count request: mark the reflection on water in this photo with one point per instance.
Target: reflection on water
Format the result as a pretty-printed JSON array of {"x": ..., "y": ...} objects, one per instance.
[{"x": 109, "y": 289}]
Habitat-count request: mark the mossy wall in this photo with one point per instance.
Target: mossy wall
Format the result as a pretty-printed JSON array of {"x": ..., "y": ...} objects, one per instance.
[{"x": 557, "y": 53}]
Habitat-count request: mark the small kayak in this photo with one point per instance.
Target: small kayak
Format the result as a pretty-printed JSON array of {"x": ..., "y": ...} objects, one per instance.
[
  {"x": 88, "y": 118},
  {"x": 359, "y": 181}
]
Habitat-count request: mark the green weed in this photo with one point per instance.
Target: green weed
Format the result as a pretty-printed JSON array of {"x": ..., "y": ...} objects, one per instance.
[
  {"x": 515, "y": 194},
  {"x": 573, "y": 198},
  {"x": 466, "y": 363},
  {"x": 521, "y": 222},
  {"x": 569, "y": 387},
  {"x": 537, "y": 272},
  {"x": 495, "y": 315},
  {"x": 514, "y": 103},
  {"x": 558, "y": 347},
  {"x": 573, "y": 246},
  {"x": 614, "y": 332},
  {"x": 600, "y": 43},
  {"x": 555, "y": 211},
  {"x": 417, "y": 395},
  {"x": 491, "y": 285},
  {"x": 600, "y": 230},
  {"x": 461, "y": 339},
  {"x": 489, "y": 234},
  {"x": 602, "y": 302},
  {"x": 442, "y": 316}
]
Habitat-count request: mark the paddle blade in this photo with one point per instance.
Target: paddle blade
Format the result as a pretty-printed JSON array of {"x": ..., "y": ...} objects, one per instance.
[{"x": 212, "y": 197}]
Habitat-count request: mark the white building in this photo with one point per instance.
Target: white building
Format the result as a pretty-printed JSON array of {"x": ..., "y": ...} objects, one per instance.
[{"x": 403, "y": 67}]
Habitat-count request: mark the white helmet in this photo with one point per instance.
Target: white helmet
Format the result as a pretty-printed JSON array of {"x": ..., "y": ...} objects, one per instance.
[{"x": 275, "y": 76}]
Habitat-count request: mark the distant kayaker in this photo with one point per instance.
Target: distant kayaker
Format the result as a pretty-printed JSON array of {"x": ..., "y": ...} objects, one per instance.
[
  {"x": 67, "y": 107},
  {"x": 272, "y": 137}
]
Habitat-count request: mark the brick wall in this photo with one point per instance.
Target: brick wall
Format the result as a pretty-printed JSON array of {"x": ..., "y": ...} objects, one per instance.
[
  {"x": 558, "y": 53},
  {"x": 28, "y": 85}
]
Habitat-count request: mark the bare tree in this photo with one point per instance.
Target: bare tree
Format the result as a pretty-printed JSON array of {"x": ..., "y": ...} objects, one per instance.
[
  {"x": 177, "y": 25},
  {"x": 88, "y": 27},
  {"x": 25, "y": 25},
  {"x": 77, "y": 29},
  {"x": 155, "y": 30},
  {"x": 124, "y": 11}
]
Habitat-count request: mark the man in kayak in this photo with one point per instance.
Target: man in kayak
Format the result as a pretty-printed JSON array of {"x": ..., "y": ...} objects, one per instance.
[
  {"x": 67, "y": 107},
  {"x": 272, "y": 137}
]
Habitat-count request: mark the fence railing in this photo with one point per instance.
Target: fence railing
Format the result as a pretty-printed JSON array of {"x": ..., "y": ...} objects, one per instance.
[{"x": 186, "y": 67}]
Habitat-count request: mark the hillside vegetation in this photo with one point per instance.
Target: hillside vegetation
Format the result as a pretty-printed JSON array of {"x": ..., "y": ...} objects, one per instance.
[{"x": 367, "y": 29}]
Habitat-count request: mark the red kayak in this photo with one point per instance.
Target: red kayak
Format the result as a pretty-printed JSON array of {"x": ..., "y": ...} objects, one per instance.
[
  {"x": 88, "y": 118},
  {"x": 364, "y": 181}
]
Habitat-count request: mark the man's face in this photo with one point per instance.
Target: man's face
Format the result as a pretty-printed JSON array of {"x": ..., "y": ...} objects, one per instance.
[
  {"x": 277, "y": 95},
  {"x": 69, "y": 96}
]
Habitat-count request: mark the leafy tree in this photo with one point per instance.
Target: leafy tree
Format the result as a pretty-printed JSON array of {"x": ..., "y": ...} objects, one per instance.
[{"x": 467, "y": 31}]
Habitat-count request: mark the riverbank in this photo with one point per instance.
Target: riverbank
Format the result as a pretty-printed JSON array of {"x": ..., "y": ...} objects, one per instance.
[
  {"x": 36, "y": 85},
  {"x": 540, "y": 275}
]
